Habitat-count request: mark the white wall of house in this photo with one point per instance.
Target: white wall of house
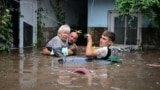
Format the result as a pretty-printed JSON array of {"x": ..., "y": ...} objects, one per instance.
[
  {"x": 98, "y": 11},
  {"x": 27, "y": 9}
]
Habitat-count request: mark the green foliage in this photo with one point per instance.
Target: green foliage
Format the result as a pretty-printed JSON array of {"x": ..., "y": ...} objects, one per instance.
[
  {"x": 40, "y": 26},
  {"x": 149, "y": 8},
  {"x": 6, "y": 38},
  {"x": 58, "y": 12}
]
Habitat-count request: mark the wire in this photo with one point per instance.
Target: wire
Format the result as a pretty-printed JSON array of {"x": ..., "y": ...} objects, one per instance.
[
  {"x": 92, "y": 7},
  {"x": 17, "y": 1}
]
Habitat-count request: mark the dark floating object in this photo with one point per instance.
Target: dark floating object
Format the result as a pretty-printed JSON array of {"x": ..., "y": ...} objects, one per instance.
[{"x": 60, "y": 61}]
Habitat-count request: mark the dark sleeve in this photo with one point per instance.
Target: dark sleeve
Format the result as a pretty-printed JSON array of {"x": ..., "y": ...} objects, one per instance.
[
  {"x": 49, "y": 48},
  {"x": 73, "y": 48}
]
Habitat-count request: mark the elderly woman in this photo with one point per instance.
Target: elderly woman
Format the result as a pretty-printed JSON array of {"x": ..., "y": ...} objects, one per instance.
[
  {"x": 63, "y": 44},
  {"x": 57, "y": 46}
]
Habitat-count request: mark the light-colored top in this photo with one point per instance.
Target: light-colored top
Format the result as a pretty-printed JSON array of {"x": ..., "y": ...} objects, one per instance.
[
  {"x": 102, "y": 52},
  {"x": 56, "y": 42}
]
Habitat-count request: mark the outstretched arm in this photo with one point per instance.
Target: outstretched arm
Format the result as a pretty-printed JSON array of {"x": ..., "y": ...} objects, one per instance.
[{"x": 90, "y": 52}]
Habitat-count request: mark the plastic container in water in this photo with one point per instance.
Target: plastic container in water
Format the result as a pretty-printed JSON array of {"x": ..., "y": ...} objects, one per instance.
[{"x": 82, "y": 61}]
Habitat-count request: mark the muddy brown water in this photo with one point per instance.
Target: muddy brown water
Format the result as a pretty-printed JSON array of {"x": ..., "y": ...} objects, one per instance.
[{"x": 28, "y": 69}]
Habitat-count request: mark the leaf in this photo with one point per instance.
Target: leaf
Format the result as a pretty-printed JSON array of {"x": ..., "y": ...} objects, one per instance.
[
  {"x": 2, "y": 37},
  {"x": 78, "y": 31}
]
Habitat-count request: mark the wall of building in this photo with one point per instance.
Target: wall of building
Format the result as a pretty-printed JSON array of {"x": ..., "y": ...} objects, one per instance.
[
  {"x": 75, "y": 16},
  {"x": 98, "y": 19},
  {"x": 73, "y": 10},
  {"x": 97, "y": 12},
  {"x": 50, "y": 20},
  {"x": 97, "y": 16}
]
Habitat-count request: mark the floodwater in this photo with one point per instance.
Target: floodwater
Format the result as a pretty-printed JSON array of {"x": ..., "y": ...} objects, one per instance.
[{"x": 28, "y": 69}]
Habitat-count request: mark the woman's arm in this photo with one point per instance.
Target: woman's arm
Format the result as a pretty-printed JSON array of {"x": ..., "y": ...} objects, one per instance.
[{"x": 45, "y": 51}]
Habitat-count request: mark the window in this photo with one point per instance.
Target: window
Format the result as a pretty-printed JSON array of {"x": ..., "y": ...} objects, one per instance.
[{"x": 127, "y": 34}]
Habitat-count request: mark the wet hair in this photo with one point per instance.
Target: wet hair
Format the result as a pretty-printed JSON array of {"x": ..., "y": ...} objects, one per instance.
[
  {"x": 65, "y": 26},
  {"x": 109, "y": 34}
]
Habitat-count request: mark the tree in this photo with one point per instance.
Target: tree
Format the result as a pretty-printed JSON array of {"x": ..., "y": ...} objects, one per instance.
[
  {"x": 149, "y": 8},
  {"x": 6, "y": 38}
]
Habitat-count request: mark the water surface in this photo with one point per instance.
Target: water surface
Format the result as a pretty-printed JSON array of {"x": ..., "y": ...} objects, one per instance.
[{"x": 28, "y": 69}]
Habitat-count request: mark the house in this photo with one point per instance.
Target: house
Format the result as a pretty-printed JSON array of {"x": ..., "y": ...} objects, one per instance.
[{"x": 91, "y": 16}]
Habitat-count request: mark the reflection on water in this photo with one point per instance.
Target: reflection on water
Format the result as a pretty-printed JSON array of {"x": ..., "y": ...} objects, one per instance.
[
  {"x": 30, "y": 70},
  {"x": 28, "y": 66}
]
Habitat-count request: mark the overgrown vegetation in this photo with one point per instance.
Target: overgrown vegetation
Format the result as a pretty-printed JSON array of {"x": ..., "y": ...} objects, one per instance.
[
  {"x": 149, "y": 8},
  {"x": 6, "y": 38},
  {"x": 40, "y": 26},
  {"x": 58, "y": 11}
]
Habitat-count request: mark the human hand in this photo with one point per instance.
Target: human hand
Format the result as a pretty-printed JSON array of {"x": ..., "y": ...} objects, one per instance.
[
  {"x": 72, "y": 49},
  {"x": 65, "y": 51},
  {"x": 89, "y": 37}
]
